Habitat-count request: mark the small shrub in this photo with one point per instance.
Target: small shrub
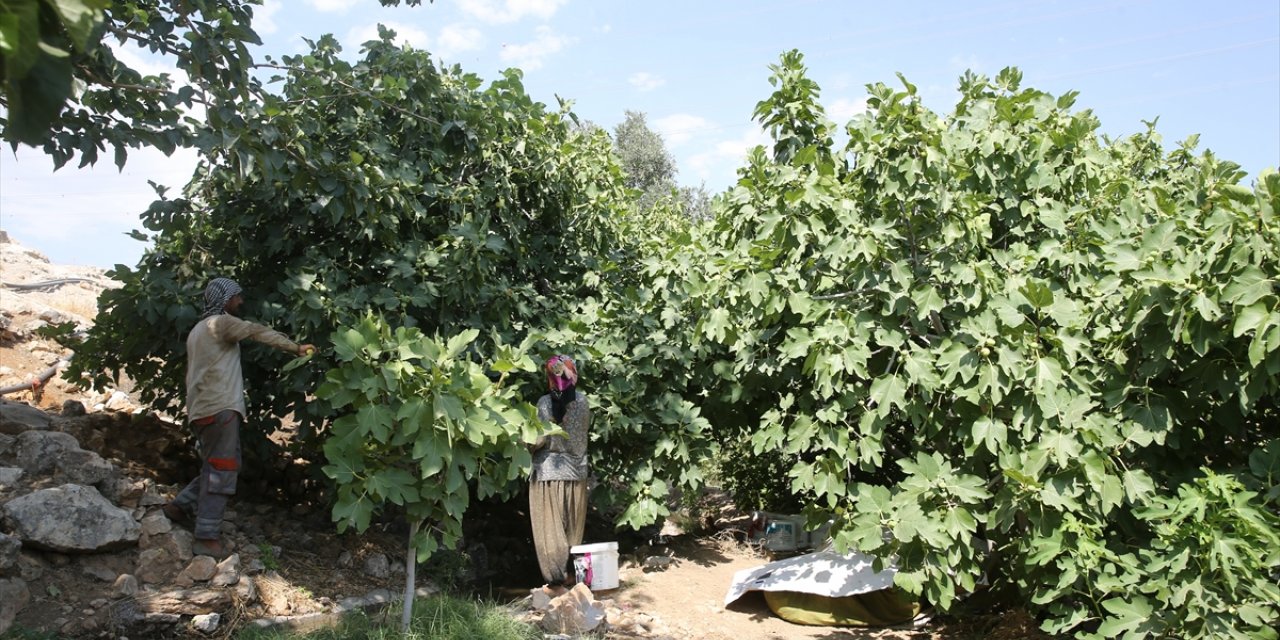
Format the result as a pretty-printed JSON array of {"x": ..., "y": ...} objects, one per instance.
[
  {"x": 757, "y": 481},
  {"x": 442, "y": 617}
]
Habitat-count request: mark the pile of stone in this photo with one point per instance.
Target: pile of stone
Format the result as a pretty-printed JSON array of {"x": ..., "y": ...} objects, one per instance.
[
  {"x": 71, "y": 520},
  {"x": 577, "y": 612}
]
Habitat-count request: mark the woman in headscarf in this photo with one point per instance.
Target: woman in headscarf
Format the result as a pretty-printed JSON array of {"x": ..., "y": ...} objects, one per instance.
[{"x": 558, "y": 484}]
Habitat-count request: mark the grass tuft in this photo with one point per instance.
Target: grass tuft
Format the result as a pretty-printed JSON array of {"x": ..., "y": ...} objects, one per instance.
[{"x": 441, "y": 617}]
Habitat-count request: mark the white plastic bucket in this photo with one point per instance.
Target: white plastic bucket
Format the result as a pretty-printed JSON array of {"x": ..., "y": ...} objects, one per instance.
[{"x": 596, "y": 565}]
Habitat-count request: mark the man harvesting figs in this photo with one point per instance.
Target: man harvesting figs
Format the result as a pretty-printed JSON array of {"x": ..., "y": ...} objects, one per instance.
[{"x": 215, "y": 409}]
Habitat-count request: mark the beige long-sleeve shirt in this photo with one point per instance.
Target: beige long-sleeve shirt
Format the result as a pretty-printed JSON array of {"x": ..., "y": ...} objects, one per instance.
[{"x": 214, "y": 379}]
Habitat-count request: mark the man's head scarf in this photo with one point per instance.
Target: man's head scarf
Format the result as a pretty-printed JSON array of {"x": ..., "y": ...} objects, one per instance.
[
  {"x": 561, "y": 373},
  {"x": 216, "y": 296}
]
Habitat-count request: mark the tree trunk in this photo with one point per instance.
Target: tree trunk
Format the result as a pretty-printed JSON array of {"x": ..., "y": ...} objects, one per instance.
[{"x": 410, "y": 569}]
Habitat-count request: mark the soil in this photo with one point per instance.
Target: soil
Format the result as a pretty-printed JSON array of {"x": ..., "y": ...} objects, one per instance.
[{"x": 309, "y": 566}]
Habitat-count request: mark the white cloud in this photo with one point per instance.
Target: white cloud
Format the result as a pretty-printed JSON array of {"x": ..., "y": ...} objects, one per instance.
[
  {"x": 455, "y": 38},
  {"x": 845, "y": 109},
  {"x": 80, "y": 216},
  {"x": 147, "y": 63},
  {"x": 507, "y": 11},
  {"x": 604, "y": 28},
  {"x": 677, "y": 128},
  {"x": 264, "y": 17},
  {"x": 959, "y": 63},
  {"x": 405, "y": 35},
  {"x": 645, "y": 81},
  {"x": 329, "y": 6},
  {"x": 529, "y": 56},
  {"x": 718, "y": 165}
]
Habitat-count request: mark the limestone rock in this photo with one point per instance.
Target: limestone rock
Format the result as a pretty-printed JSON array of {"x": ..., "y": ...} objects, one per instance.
[
  {"x": 156, "y": 524},
  {"x": 228, "y": 571},
  {"x": 70, "y": 518},
  {"x": 186, "y": 602},
  {"x": 9, "y": 477},
  {"x": 98, "y": 571},
  {"x": 157, "y": 566},
  {"x": 176, "y": 541},
  {"x": 377, "y": 566},
  {"x": 38, "y": 452},
  {"x": 246, "y": 591},
  {"x": 88, "y": 468},
  {"x": 14, "y": 595},
  {"x": 200, "y": 569},
  {"x": 16, "y": 417},
  {"x": 207, "y": 623},
  {"x": 30, "y": 567},
  {"x": 130, "y": 493},
  {"x": 541, "y": 598},
  {"x": 126, "y": 586},
  {"x": 10, "y": 547},
  {"x": 574, "y": 613}
]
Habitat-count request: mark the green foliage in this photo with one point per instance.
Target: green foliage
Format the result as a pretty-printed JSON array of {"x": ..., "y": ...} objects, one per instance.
[
  {"x": 268, "y": 556},
  {"x": 992, "y": 325},
  {"x": 440, "y": 617},
  {"x": 386, "y": 186},
  {"x": 989, "y": 343},
  {"x": 420, "y": 425},
  {"x": 757, "y": 481},
  {"x": 37, "y": 40},
  {"x": 18, "y": 632},
  {"x": 66, "y": 92}
]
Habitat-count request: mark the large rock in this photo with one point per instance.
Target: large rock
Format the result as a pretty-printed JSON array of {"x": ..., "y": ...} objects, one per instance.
[
  {"x": 10, "y": 547},
  {"x": 16, "y": 418},
  {"x": 70, "y": 518},
  {"x": 228, "y": 571},
  {"x": 88, "y": 468},
  {"x": 9, "y": 477},
  {"x": 155, "y": 524},
  {"x": 14, "y": 595},
  {"x": 39, "y": 451},
  {"x": 200, "y": 569},
  {"x": 176, "y": 541},
  {"x": 377, "y": 566},
  {"x": 188, "y": 602},
  {"x": 157, "y": 566},
  {"x": 574, "y": 613}
]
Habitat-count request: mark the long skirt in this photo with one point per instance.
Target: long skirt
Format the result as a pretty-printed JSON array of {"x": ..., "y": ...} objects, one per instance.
[{"x": 558, "y": 512}]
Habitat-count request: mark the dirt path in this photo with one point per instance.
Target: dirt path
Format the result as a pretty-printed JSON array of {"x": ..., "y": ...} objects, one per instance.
[{"x": 688, "y": 599}]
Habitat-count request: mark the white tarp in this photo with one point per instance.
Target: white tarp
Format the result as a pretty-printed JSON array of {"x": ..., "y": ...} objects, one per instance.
[{"x": 824, "y": 573}]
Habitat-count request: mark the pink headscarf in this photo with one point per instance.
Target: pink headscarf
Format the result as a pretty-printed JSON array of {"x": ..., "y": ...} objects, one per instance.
[{"x": 561, "y": 373}]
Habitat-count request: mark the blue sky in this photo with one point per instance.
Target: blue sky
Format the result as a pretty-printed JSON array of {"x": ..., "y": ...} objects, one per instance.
[{"x": 697, "y": 69}]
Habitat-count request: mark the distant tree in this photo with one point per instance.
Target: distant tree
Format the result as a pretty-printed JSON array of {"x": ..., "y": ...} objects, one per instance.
[
  {"x": 651, "y": 169},
  {"x": 644, "y": 157}
]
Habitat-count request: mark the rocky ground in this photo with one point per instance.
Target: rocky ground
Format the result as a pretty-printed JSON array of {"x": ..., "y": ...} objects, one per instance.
[{"x": 85, "y": 551}]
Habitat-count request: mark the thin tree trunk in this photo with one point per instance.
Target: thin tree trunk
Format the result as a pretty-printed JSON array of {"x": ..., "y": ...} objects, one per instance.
[{"x": 410, "y": 569}]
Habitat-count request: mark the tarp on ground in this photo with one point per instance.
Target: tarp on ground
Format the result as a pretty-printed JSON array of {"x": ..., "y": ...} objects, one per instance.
[{"x": 827, "y": 588}]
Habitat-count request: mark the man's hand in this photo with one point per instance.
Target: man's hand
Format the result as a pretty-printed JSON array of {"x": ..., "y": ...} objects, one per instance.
[{"x": 306, "y": 349}]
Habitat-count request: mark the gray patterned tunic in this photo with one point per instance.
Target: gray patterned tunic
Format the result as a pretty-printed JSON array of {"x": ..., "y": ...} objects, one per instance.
[{"x": 561, "y": 458}]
